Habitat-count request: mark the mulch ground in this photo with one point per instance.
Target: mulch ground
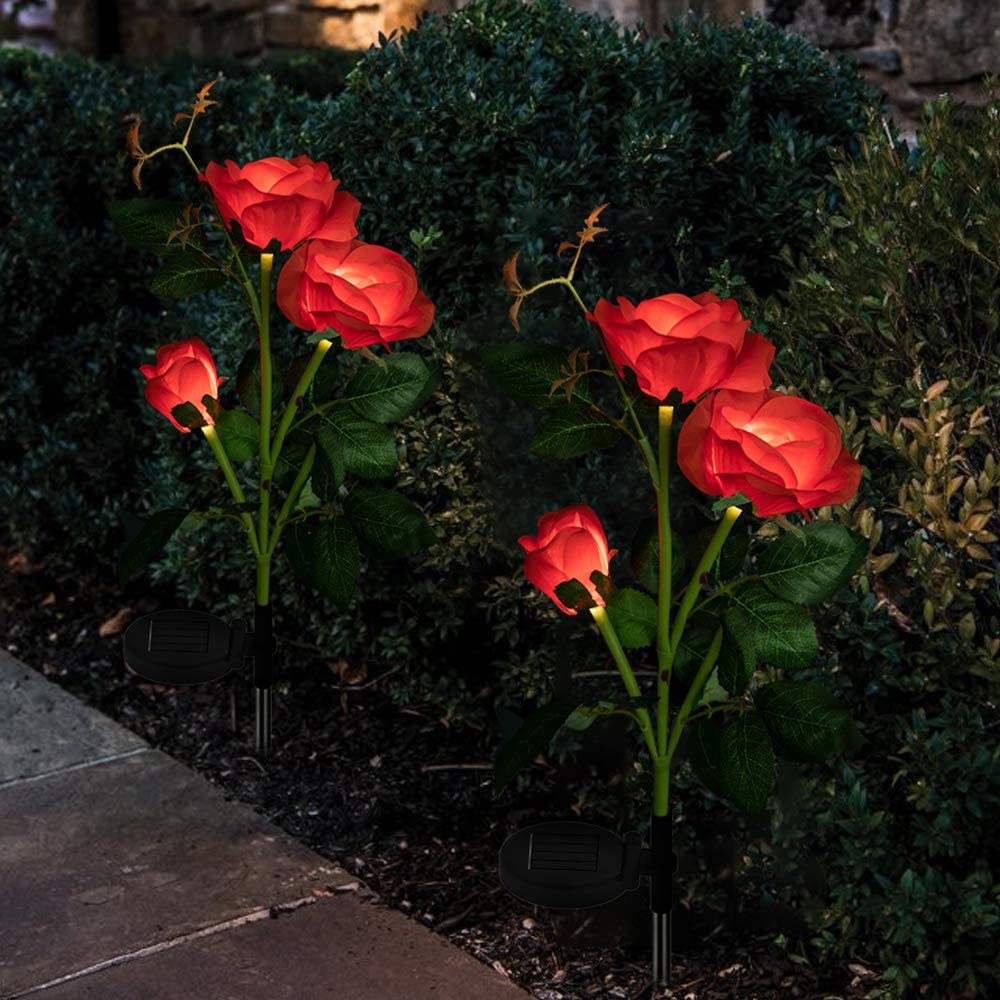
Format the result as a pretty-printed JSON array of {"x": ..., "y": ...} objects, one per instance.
[{"x": 397, "y": 798}]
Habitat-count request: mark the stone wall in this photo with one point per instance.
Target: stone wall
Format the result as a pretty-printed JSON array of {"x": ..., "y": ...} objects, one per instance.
[{"x": 913, "y": 49}]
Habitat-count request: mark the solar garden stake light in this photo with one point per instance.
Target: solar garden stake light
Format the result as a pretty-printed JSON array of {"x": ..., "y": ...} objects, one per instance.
[
  {"x": 310, "y": 451},
  {"x": 714, "y": 651}
]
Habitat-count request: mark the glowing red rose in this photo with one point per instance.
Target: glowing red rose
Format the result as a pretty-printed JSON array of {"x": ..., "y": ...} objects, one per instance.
[
  {"x": 690, "y": 344},
  {"x": 284, "y": 200},
  {"x": 184, "y": 372},
  {"x": 782, "y": 452},
  {"x": 570, "y": 544},
  {"x": 367, "y": 293}
]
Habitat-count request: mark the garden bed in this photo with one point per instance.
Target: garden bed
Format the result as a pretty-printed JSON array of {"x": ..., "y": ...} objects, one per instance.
[{"x": 395, "y": 797}]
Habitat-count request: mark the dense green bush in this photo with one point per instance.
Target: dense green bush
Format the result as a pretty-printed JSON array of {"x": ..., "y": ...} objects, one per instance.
[
  {"x": 891, "y": 318},
  {"x": 505, "y": 123}
]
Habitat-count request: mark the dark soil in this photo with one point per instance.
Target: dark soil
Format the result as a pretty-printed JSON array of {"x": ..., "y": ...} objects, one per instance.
[{"x": 398, "y": 798}]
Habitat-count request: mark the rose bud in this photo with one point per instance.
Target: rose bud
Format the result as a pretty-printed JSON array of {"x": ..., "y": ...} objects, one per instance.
[
  {"x": 365, "y": 292},
  {"x": 284, "y": 200},
  {"x": 782, "y": 452},
  {"x": 691, "y": 344},
  {"x": 570, "y": 544},
  {"x": 183, "y": 373}
]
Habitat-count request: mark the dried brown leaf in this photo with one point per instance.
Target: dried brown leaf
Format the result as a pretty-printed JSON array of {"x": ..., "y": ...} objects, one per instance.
[
  {"x": 514, "y": 310},
  {"x": 565, "y": 245},
  {"x": 115, "y": 624},
  {"x": 511, "y": 282}
]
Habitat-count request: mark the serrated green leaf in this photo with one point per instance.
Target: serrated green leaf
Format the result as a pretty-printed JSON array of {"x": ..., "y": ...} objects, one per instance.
[
  {"x": 531, "y": 738},
  {"x": 806, "y": 722},
  {"x": 770, "y": 630},
  {"x": 239, "y": 433},
  {"x": 391, "y": 524},
  {"x": 369, "y": 448},
  {"x": 525, "y": 372},
  {"x": 572, "y": 430},
  {"x": 186, "y": 274},
  {"x": 145, "y": 223},
  {"x": 746, "y": 763},
  {"x": 694, "y": 642},
  {"x": 633, "y": 615},
  {"x": 328, "y": 469},
  {"x": 394, "y": 392},
  {"x": 326, "y": 557},
  {"x": 148, "y": 539},
  {"x": 812, "y": 568},
  {"x": 733, "y": 555}
]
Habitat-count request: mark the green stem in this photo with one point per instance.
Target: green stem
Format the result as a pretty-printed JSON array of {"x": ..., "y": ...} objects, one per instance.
[
  {"x": 266, "y": 379},
  {"x": 664, "y": 650},
  {"x": 694, "y": 586},
  {"x": 234, "y": 484},
  {"x": 607, "y": 631},
  {"x": 704, "y": 671},
  {"x": 298, "y": 393},
  {"x": 264, "y": 578},
  {"x": 293, "y": 496}
]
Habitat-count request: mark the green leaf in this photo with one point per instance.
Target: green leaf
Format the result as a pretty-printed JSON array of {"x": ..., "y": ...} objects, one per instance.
[
  {"x": 645, "y": 556},
  {"x": 633, "y": 615},
  {"x": 526, "y": 372},
  {"x": 326, "y": 557},
  {"x": 575, "y": 594},
  {"x": 239, "y": 433},
  {"x": 584, "y": 716},
  {"x": 145, "y": 223},
  {"x": 533, "y": 736},
  {"x": 390, "y": 523},
  {"x": 695, "y": 640},
  {"x": 328, "y": 469},
  {"x": 812, "y": 568},
  {"x": 704, "y": 748},
  {"x": 323, "y": 387},
  {"x": 188, "y": 415},
  {"x": 736, "y": 664},
  {"x": 293, "y": 453},
  {"x": 736, "y": 500},
  {"x": 145, "y": 544},
  {"x": 746, "y": 763},
  {"x": 248, "y": 380},
  {"x": 572, "y": 430},
  {"x": 770, "y": 630},
  {"x": 186, "y": 274},
  {"x": 369, "y": 448},
  {"x": 732, "y": 558},
  {"x": 390, "y": 393},
  {"x": 806, "y": 722}
]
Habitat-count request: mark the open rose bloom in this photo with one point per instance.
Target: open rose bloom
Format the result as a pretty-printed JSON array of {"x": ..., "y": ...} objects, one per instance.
[
  {"x": 184, "y": 372},
  {"x": 782, "y": 452},
  {"x": 570, "y": 544},
  {"x": 284, "y": 200},
  {"x": 367, "y": 293},
  {"x": 691, "y": 344}
]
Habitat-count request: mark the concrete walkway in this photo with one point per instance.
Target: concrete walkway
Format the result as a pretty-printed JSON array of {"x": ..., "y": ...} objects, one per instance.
[{"x": 126, "y": 876}]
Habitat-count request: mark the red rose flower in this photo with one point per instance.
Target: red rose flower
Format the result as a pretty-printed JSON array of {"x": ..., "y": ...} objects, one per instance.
[
  {"x": 367, "y": 293},
  {"x": 184, "y": 372},
  {"x": 691, "y": 344},
  {"x": 570, "y": 544},
  {"x": 284, "y": 200},
  {"x": 782, "y": 452}
]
